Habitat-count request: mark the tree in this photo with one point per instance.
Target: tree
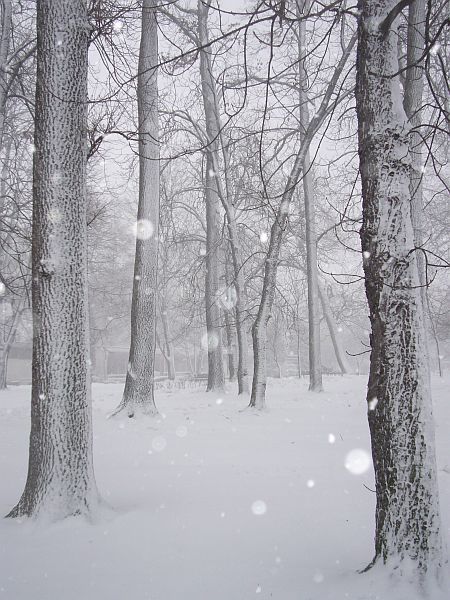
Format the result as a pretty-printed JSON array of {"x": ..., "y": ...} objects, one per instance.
[
  {"x": 60, "y": 478},
  {"x": 398, "y": 395},
  {"x": 138, "y": 396},
  {"x": 315, "y": 360}
]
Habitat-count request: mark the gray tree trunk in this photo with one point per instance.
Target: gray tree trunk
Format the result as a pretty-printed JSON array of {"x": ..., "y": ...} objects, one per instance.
[
  {"x": 315, "y": 359},
  {"x": 169, "y": 356},
  {"x": 138, "y": 395},
  {"x": 5, "y": 39},
  {"x": 216, "y": 379},
  {"x": 214, "y": 136},
  {"x": 399, "y": 400},
  {"x": 60, "y": 478},
  {"x": 331, "y": 324}
]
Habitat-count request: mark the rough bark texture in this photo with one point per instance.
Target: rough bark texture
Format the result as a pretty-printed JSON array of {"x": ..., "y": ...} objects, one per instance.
[
  {"x": 216, "y": 380},
  {"x": 138, "y": 396},
  {"x": 214, "y": 138},
  {"x": 60, "y": 478},
  {"x": 315, "y": 359},
  {"x": 399, "y": 402}
]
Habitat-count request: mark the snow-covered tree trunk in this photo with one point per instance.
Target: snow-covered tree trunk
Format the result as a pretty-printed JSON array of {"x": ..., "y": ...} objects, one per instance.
[
  {"x": 60, "y": 478},
  {"x": 216, "y": 380},
  {"x": 5, "y": 38},
  {"x": 214, "y": 136},
  {"x": 399, "y": 400},
  {"x": 138, "y": 395},
  {"x": 315, "y": 359}
]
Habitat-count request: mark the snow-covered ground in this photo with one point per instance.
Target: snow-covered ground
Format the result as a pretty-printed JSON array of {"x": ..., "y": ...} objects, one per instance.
[{"x": 211, "y": 502}]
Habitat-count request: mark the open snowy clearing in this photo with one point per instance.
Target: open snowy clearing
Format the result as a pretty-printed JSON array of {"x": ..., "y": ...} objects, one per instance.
[{"x": 211, "y": 502}]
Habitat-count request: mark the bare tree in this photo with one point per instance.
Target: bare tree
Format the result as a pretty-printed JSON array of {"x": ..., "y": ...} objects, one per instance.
[
  {"x": 138, "y": 396},
  {"x": 60, "y": 478},
  {"x": 398, "y": 396}
]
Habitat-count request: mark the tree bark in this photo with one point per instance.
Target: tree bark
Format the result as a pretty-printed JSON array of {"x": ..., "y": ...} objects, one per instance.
[
  {"x": 315, "y": 359},
  {"x": 413, "y": 107},
  {"x": 399, "y": 401},
  {"x": 216, "y": 380},
  {"x": 60, "y": 478},
  {"x": 5, "y": 39},
  {"x": 138, "y": 395},
  {"x": 214, "y": 136}
]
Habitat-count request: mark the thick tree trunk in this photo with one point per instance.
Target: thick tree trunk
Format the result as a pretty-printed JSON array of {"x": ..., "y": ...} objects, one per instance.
[
  {"x": 138, "y": 396},
  {"x": 60, "y": 478},
  {"x": 214, "y": 135},
  {"x": 315, "y": 359},
  {"x": 216, "y": 380},
  {"x": 399, "y": 401}
]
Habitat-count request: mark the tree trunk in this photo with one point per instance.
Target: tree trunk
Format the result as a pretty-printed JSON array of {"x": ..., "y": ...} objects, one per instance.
[
  {"x": 315, "y": 359},
  {"x": 214, "y": 135},
  {"x": 168, "y": 348},
  {"x": 413, "y": 107},
  {"x": 340, "y": 357},
  {"x": 216, "y": 379},
  {"x": 60, "y": 478},
  {"x": 230, "y": 346},
  {"x": 5, "y": 39},
  {"x": 399, "y": 401},
  {"x": 3, "y": 366},
  {"x": 138, "y": 396}
]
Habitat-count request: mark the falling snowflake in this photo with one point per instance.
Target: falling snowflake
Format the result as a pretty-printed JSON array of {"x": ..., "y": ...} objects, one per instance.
[
  {"x": 117, "y": 26},
  {"x": 159, "y": 443},
  {"x": 310, "y": 483},
  {"x": 331, "y": 438},
  {"x": 226, "y": 297},
  {"x": 143, "y": 229},
  {"x": 210, "y": 341},
  {"x": 181, "y": 431},
  {"x": 357, "y": 461},
  {"x": 219, "y": 401},
  {"x": 373, "y": 403},
  {"x": 318, "y": 577},
  {"x": 263, "y": 237},
  {"x": 259, "y": 507}
]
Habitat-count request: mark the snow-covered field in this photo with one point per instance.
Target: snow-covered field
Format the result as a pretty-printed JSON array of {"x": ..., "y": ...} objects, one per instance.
[{"x": 211, "y": 502}]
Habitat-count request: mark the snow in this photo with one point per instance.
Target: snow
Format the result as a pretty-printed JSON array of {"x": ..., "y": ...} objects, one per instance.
[{"x": 212, "y": 502}]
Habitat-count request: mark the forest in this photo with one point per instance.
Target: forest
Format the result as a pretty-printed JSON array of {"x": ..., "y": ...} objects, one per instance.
[{"x": 224, "y": 299}]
